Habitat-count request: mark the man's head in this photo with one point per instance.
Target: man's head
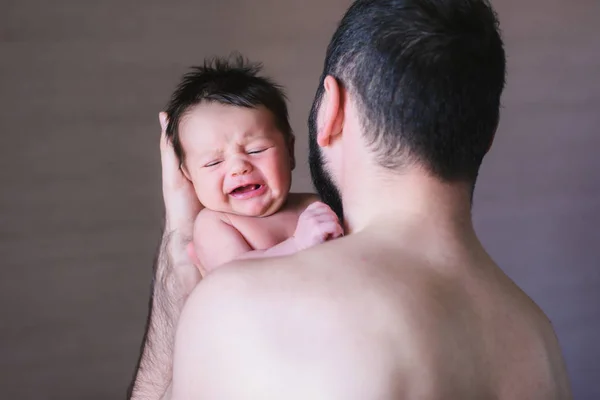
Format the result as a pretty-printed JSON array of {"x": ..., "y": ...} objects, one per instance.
[
  {"x": 230, "y": 129},
  {"x": 424, "y": 79}
]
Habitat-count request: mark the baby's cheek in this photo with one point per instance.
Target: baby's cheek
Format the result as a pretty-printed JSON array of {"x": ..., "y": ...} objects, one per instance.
[
  {"x": 281, "y": 171},
  {"x": 210, "y": 193}
]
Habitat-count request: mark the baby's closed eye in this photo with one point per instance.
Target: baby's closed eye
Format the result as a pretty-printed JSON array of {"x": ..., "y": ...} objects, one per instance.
[
  {"x": 212, "y": 163},
  {"x": 257, "y": 151}
]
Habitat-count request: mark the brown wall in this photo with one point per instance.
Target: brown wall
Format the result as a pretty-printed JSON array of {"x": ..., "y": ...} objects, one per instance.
[{"x": 81, "y": 83}]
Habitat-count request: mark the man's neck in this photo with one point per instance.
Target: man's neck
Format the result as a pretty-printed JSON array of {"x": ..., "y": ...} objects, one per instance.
[{"x": 410, "y": 199}]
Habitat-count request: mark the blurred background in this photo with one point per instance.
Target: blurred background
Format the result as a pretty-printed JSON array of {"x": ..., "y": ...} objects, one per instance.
[{"x": 81, "y": 83}]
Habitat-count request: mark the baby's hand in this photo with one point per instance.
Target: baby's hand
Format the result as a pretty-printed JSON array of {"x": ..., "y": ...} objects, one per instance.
[{"x": 317, "y": 224}]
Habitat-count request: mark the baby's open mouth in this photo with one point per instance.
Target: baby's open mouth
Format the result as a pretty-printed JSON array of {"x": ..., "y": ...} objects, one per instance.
[{"x": 245, "y": 189}]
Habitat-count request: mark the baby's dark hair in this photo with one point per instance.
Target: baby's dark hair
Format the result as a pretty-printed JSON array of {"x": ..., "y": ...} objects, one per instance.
[{"x": 232, "y": 81}]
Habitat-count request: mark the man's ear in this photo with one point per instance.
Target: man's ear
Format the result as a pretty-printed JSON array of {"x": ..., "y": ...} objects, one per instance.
[
  {"x": 332, "y": 111},
  {"x": 291, "y": 149}
]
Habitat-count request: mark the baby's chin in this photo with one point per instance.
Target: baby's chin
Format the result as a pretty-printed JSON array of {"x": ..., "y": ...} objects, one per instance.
[
  {"x": 254, "y": 210},
  {"x": 259, "y": 212}
]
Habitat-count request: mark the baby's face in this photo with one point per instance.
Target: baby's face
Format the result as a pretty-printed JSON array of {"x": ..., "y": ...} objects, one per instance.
[{"x": 237, "y": 159}]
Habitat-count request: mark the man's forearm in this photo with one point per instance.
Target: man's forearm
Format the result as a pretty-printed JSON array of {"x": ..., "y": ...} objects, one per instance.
[{"x": 169, "y": 291}]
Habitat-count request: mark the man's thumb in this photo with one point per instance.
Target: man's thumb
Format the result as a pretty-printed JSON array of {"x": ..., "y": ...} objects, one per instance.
[{"x": 162, "y": 118}]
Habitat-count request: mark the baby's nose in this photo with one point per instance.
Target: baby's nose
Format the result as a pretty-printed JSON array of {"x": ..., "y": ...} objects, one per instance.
[{"x": 241, "y": 168}]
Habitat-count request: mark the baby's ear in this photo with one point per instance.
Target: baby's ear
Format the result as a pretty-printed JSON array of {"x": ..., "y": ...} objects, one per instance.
[
  {"x": 185, "y": 171},
  {"x": 291, "y": 146}
]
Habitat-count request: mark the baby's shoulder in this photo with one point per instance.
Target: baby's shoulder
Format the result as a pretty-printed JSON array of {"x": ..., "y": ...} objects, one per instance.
[{"x": 208, "y": 215}]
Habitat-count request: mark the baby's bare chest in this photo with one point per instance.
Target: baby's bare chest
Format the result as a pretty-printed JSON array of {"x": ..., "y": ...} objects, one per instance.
[{"x": 264, "y": 233}]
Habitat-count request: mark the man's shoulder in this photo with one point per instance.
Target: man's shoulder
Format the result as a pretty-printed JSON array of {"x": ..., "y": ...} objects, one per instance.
[
  {"x": 221, "y": 300},
  {"x": 274, "y": 288},
  {"x": 295, "y": 326},
  {"x": 244, "y": 279},
  {"x": 241, "y": 297},
  {"x": 248, "y": 287},
  {"x": 285, "y": 304},
  {"x": 322, "y": 270}
]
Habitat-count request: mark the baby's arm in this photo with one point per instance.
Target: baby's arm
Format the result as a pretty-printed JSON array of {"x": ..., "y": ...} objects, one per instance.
[
  {"x": 317, "y": 224},
  {"x": 217, "y": 242}
]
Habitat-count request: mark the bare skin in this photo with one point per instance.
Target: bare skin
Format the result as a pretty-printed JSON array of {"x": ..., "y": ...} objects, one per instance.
[
  {"x": 264, "y": 233},
  {"x": 408, "y": 305},
  {"x": 240, "y": 165},
  {"x": 302, "y": 222},
  {"x": 175, "y": 276},
  {"x": 368, "y": 316}
]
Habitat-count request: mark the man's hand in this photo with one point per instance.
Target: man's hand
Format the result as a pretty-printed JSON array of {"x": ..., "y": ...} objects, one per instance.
[
  {"x": 181, "y": 208},
  {"x": 181, "y": 203},
  {"x": 317, "y": 224},
  {"x": 175, "y": 277}
]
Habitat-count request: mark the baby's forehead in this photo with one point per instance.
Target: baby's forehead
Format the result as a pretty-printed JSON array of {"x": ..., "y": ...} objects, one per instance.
[
  {"x": 215, "y": 118},
  {"x": 206, "y": 128}
]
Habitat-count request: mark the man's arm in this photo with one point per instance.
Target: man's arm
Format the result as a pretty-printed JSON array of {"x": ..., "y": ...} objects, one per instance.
[
  {"x": 169, "y": 292},
  {"x": 174, "y": 278}
]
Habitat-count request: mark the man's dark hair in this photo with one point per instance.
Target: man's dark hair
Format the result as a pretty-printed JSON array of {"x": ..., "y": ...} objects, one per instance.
[
  {"x": 427, "y": 76},
  {"x": 232, "y": 81}
]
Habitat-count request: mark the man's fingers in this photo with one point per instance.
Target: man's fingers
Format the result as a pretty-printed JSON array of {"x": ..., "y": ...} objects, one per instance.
[
  {"x": 170, "y": 166},
  {"x": 164, "y": 141},
  {"x": 162, "y": 118},
  {"x": 170, "y": 163}
]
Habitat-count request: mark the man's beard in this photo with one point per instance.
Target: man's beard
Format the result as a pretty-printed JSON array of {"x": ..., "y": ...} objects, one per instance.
[{"x": 321, "y": 178}]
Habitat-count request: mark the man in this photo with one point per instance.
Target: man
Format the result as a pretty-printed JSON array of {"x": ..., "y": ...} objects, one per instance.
[{"x": 407, "y": 305}]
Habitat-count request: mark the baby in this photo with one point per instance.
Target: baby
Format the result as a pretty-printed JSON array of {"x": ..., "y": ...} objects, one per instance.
[{"x": 230, "y": 130}]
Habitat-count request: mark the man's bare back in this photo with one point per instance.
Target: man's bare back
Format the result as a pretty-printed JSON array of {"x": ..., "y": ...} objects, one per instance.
[
  {"x": 407, "y": 305},
  {"x": 368, "y": 317}
]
